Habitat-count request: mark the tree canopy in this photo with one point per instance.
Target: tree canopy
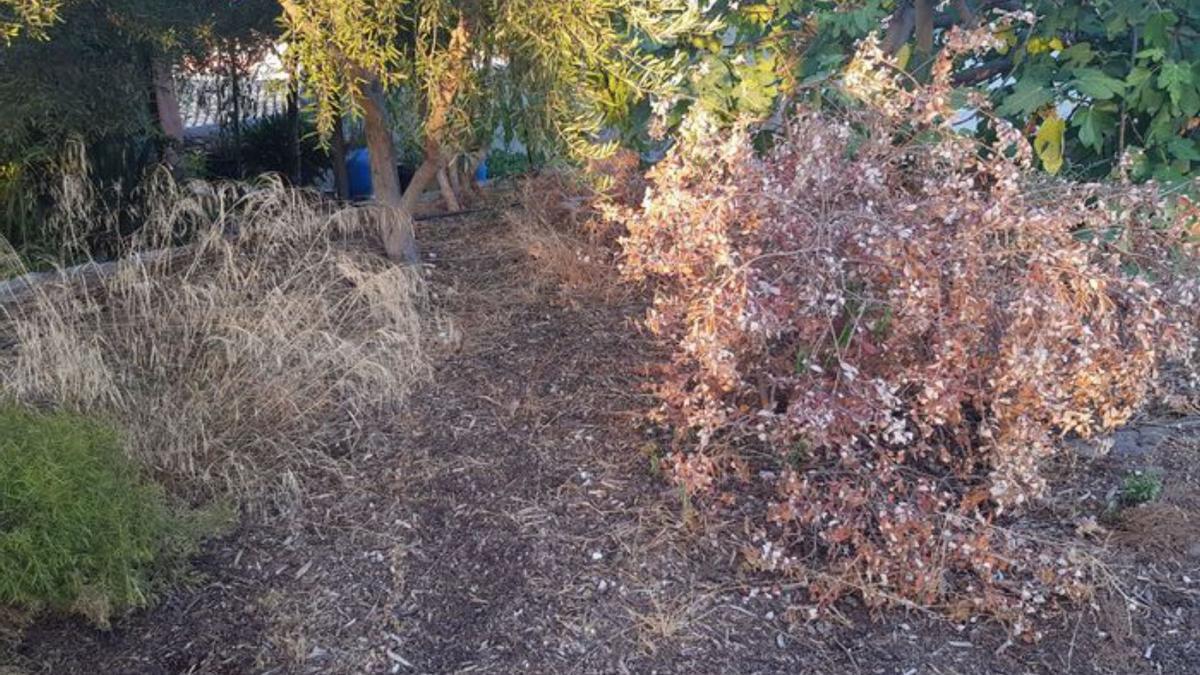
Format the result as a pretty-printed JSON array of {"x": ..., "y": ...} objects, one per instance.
[
  {"x": 570, "y": 68},
  {"x": 84, "y": 69},
  {"x": 1093, "y": 81}
]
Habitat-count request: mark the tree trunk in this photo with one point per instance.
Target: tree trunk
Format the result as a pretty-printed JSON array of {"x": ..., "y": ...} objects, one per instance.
[
  {"x": 397, "y": 228},
  {"x": 924, "y": 27},
  {"x": 337, "y": 150},
  {"x": 166, "y": 106},
  {"x": 899, "y": 29},
  {"x": 441, "y": 97},
  {"x": 424, "y": 176},
  {"x": 166, "y": 101},
  {"x": 447, "y": 189},
  {"x": 466, "y": 184},
  {"x": 454, "y": 174},
  {"x": 235, "y": 86}
]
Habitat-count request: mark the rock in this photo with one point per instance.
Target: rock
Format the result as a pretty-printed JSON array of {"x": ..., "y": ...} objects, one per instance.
[
  {"x": 1091, "y": 448},
  {"x": 1128, "y": 442},
  {"x": 1193, "y": 551}
]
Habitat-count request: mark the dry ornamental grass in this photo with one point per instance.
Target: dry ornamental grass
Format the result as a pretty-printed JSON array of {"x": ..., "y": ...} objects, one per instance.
[{"x": 260, "y": 348}]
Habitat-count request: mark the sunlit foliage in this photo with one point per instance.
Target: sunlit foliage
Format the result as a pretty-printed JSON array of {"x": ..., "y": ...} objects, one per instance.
[
  {"x": 1095, "y": 80},
  {"x": 568, "y": 69}
]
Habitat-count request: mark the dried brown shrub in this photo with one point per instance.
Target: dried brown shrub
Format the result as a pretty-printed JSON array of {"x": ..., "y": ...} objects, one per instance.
[{"x": 909, "y": 321}]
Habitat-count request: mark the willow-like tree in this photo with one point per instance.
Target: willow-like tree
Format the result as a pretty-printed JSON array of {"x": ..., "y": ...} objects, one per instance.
[
  {"x": 28, "y": 17},
  {"x": 575, "y": 63}
]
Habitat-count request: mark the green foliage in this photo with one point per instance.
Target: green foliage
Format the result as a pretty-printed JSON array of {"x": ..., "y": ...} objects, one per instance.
[
  {"x": 266, "y": 148},
  {"x": 1124, "y": 75},
  {"x": 30, "y": 16},
  {"x": 85, "y": 81},
  {"x": 84, "y": 77},
  {"x": 559, "y": 72},
  {"x": 1129, "y": 75},
  {"x": 80, "y": 530},
  {"x": 577, "y": 69},
  {"x": 343, "y": 44},
  {"x": 1140, "y": 487},
  {"x": 744, "y": 56},
  {"x": 502, "y": 164},
  {"x": 89, "y": 78}
]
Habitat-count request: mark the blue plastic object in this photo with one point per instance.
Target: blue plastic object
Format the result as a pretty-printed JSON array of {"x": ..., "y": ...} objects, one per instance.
[
  {"x": 481, "y": 174},
  {"x": 358, "y": 170}
]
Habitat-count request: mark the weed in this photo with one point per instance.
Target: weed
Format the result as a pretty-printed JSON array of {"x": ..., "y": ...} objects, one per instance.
[
  {"x": 1140, "y": 487},
  {"x": 654, "y": 458}
]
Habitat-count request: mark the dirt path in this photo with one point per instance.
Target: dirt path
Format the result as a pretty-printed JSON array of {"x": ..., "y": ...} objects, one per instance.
[{"x": 508, "y": 523}]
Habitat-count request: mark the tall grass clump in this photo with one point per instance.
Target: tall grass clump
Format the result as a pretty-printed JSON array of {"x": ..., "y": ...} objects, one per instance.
[
  {"x": 81, "y": 530},
  {"x": 558, "y": 223},
  {"x": 244, "y": 336}
]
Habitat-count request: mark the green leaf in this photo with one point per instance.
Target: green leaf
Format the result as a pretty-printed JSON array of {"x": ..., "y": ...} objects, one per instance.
[
  {"x": 1155, "y": 31},
  {"x": 1028, "y": 96},
  {"x": 1116, "y": 26},
  {"x": 1184, "y": 148},
  {"x": 1096, "y": 84},
  {"x": 1175, "y": 78},
  {"x": 1189, "y": 102},
  {"x": 1137, "y": 76},
  {"x": 1153, "y": 54},
  {"x": 1078, "y": 55},
  {"x": 1094, "y": 126},
  {"x": 1142, "y": 92},
  {"x": 1162, "y": 128}
]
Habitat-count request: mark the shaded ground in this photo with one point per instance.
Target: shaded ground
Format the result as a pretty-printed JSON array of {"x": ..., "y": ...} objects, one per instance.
[{"x": 508, "y": 522}]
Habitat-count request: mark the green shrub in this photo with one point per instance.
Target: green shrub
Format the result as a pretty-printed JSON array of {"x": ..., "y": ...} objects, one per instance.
[
  {"x": 266, "y": 148},
  {"x": 80, "y": 530}
]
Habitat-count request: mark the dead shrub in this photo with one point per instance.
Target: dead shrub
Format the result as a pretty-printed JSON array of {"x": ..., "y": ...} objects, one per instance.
[
  {"x": 620, "y": 179},
  {"x": 258, "y": 351},
  {"x": 908, "y": 320}
]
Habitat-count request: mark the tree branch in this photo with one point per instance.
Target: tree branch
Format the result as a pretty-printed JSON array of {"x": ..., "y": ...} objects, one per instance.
[
  {"x": 900, "y": 28},
  {"x": 984, "y": 71}
]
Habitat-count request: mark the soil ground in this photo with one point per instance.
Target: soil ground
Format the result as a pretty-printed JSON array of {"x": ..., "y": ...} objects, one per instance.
[{"x": 509, "y": 522}]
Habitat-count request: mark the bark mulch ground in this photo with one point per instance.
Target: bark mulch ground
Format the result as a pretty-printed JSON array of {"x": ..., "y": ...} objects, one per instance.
[{"x": 509, "y": 521}]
